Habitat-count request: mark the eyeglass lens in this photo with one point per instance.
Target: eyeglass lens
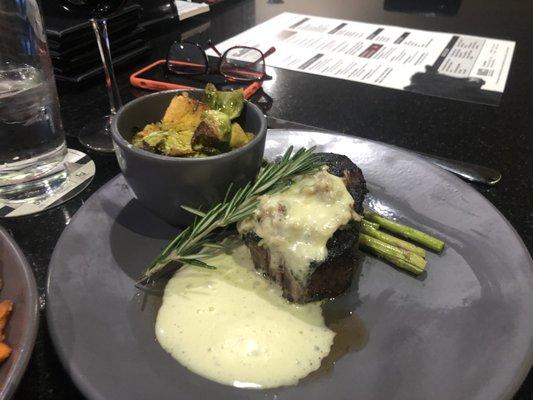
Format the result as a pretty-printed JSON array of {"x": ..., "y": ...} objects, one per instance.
[
  {"x": 243, "y": 63},
  {"x": 186, "y": 59}
]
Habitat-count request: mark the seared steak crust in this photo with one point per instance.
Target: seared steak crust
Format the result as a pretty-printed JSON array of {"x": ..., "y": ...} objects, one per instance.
[
  {"x": 332, "y": 276},
  {"x": 342, "y": 166}
]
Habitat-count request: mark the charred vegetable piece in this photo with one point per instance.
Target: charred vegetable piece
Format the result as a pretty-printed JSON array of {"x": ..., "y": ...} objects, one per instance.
[
  {"x": 238, "y": 137},
  {"x": 210, "y": 151},
  {"x": 213, "y": 131},
  {"x": 137, "y": 140},
  {"x": 153, "y": 140}
]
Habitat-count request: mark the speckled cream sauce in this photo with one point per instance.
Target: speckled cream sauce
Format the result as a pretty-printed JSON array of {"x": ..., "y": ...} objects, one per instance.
[{"x": 232, "y": 326}]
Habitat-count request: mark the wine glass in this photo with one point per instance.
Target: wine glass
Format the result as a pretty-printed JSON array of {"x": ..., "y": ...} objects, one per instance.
[{"x": 96, "y": 135}]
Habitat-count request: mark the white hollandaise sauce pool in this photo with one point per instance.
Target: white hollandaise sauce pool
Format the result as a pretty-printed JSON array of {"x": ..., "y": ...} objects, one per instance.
[{"x": 232, "y": 326}]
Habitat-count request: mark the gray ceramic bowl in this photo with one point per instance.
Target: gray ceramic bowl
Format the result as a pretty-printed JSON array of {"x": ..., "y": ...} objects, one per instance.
[{"x": 163, "y": 184}]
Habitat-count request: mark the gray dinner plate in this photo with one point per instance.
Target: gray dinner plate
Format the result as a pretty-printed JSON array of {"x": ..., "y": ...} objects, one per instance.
[
  {"x": 463, "y": 330},
  {"x": 19, "y": 287}
]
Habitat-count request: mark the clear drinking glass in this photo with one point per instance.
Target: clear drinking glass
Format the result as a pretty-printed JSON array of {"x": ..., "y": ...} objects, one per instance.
[
  {"x": 32, "y": 140},
  {"x": 96, "y": 134}
]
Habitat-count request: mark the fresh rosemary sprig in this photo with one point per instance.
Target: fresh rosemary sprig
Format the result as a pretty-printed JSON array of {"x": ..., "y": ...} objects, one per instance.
[{"x": 188, "y": 245}]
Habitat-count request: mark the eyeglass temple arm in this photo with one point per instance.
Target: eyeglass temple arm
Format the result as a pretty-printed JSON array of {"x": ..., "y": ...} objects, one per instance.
[
  {"x": 213, "y": 47},
  {"x": 265, "y": 55},
  {"x": 269, "y": 52}
]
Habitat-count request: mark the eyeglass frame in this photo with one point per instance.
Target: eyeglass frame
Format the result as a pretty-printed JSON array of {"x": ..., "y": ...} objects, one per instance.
[{"x": 207, "y": 70}]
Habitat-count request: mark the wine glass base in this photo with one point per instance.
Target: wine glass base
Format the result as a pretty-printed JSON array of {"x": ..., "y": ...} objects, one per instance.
[{"x": 96, "y": 135}]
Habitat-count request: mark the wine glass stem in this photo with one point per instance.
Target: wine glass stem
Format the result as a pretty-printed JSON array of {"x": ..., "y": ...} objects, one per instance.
[{"x": 102, "y": 38}]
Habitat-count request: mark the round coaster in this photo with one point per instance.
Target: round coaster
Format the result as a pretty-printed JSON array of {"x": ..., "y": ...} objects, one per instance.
[{"x": 81, "y": 170}]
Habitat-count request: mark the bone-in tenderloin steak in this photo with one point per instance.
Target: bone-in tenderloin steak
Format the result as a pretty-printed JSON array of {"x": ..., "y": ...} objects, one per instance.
[{"x": 333, "y": 275}]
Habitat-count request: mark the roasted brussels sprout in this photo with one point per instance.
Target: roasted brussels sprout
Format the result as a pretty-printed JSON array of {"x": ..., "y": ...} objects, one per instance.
[
  {"x": 213, "y": 131},
  {"x": 169, "y": 143},
  {"x": 230, "y": 102},
  {"x": 210, "y": 96},
  {"x": 177, "y": 144},
  {"x": 153, "y": 140}
]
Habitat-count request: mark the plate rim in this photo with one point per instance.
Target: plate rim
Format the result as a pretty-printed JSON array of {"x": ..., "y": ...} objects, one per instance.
[
  {"x": 17, "y": 371},
  {"x": 507, "y": 392}
]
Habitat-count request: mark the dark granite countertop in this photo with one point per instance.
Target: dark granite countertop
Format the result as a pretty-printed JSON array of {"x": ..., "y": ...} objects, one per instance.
[{"x": 499, "y": 137}]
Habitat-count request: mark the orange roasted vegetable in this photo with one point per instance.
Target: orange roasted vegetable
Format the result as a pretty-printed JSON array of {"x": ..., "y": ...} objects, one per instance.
[
  {"x": 5, "y": 351},
  {"x": 5, "y": 309}
]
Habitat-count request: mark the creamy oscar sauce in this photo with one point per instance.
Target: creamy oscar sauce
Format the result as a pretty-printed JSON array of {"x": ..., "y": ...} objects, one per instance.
[
  {"x": 296, "y": 224},
  {"x": 232, "y": 326}
]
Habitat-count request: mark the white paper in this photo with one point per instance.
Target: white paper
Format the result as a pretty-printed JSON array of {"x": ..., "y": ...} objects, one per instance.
[
  {"x": 463, "y": 67},
  {"x": 188, "y": 9}
]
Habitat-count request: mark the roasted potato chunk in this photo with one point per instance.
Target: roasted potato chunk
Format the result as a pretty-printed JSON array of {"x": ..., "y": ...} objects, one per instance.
[
  {"x": 238, "y": 137},
  {"x": 183, "y": 113}
]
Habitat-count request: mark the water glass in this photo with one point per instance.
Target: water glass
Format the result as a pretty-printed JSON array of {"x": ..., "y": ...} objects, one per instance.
[{"x": 32, "y": 140}]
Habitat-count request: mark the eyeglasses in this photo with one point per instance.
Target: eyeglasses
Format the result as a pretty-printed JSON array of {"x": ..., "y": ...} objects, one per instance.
[{"x": 239, "y": 63}]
